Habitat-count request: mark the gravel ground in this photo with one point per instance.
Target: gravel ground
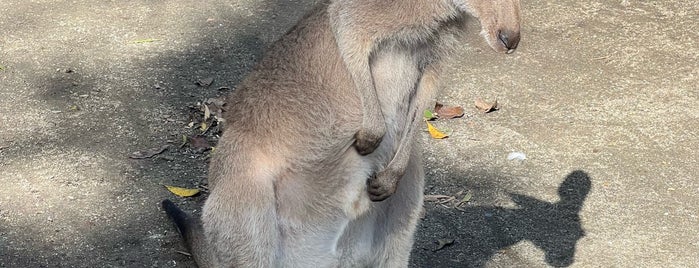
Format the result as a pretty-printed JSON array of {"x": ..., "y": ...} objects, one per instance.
[{"x": 601, "y": 97}]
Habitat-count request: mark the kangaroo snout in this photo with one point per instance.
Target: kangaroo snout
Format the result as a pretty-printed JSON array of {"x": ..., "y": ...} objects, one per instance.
[
  {"x": 500, "y": 21},
  {"x": 509, "y": 39}
]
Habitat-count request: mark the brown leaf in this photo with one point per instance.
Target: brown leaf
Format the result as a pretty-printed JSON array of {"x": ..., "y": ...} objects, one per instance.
[
  {"x": 199, "y": 142},
  {"x": 215, "y": 105},
  {"x": 149, "y": 153},
  {"x": 486, "y": 107},
  {"x": 437, "y": 106},
  {"x": 448, "y": 112}
]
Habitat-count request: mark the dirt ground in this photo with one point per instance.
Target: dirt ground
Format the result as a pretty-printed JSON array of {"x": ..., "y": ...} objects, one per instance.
[{"x": 602, "y": 97}]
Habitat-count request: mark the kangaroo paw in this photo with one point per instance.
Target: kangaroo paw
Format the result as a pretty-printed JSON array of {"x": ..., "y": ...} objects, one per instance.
[
  {"x": 366, "y": 141},
  {"x": 383, "y": 185}
]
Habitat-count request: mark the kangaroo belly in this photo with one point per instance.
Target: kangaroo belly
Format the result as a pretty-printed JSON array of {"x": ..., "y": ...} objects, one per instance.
[{"x": 396, "y": 73}]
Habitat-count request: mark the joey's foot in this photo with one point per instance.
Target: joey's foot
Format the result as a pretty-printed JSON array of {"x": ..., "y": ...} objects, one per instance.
[
  {"x": 366, "y": 142},
  {"x": 382, "y": 185}
]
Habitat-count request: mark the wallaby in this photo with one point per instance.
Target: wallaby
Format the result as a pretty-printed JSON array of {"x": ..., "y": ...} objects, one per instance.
[{"x": 295, "y": 171}]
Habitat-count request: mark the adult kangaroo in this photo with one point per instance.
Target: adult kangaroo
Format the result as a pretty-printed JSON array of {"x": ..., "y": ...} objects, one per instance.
[{"x": 323, "y": 126}]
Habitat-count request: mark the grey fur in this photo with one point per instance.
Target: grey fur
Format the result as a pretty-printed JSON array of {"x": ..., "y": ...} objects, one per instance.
[{"x": 288, "y": 188}]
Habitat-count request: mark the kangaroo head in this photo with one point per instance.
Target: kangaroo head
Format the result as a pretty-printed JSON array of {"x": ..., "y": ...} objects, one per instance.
[{"x": 500, "y": 21}]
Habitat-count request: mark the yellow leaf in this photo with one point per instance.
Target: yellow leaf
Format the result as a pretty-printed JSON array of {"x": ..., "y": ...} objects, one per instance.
[
  {"x": 184, "y": 141},
  {"x": 182, "y": 192},
  {"x": 434, "y": 132}
]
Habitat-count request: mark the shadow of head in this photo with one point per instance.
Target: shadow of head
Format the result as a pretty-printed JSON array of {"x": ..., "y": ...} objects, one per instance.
[{"x": 555, "y": 228}]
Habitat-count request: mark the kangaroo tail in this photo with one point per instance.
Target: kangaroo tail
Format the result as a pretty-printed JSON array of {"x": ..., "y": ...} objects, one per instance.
[{"x": 193, "y": 234}]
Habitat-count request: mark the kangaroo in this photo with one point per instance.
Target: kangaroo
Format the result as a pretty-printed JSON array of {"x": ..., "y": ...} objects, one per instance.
[{"x": 294, "y": 174}]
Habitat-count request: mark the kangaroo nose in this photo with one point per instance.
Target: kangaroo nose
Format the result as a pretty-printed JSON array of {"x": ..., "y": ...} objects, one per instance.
[{"x": 509, "y": 39}]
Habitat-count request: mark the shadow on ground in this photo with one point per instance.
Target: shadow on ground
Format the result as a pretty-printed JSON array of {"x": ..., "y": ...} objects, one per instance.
[{"x": 481, "y": 232}]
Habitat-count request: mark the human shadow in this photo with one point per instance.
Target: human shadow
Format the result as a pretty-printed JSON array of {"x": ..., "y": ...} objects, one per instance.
[{"x": 483, "y": 232}]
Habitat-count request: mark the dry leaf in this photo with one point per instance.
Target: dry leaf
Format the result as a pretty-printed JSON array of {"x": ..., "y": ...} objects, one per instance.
[
  {"x": 466, "y": 198},
  {"x": 207, "y": 112},
  {"x": 486, "y": 107},
  {"x": 448, "y": 112},
  {"x": 184, "y": 253},
  {"x": 435, "y": 197},
  {"x": 215, "y": 106},
  {"x": 205, "y": 82},
  {"x": 182, "y": 192},
  {"x": 219, "y": 102},
  {"x": 434, "y": 132},
  {"x": 441, "y": 243},
  {"x": 199, "y": 142},
  {"x": 184, "y": 141},
  {"x": 149, "y": 153},
  {"x": 448, "y": 200}
]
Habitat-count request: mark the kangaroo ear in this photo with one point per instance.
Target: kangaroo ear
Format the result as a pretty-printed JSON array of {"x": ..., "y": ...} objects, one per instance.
[{"x": 574, "y": 190}]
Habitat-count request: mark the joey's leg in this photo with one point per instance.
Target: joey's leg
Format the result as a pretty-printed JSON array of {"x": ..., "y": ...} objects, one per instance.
[
  {"x": 384, "y": 183},
  {"x": 355, "y": 47},
  {"x": 394, "y": 235}
]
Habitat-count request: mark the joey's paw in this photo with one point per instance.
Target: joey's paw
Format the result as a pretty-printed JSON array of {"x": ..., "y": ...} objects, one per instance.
[
  {"x": 382, "y": 185},
  {"x": 366, "y": 142}
]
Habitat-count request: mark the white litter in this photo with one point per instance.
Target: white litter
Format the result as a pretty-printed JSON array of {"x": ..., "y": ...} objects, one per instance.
[{"x": 516, "y": 156}]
